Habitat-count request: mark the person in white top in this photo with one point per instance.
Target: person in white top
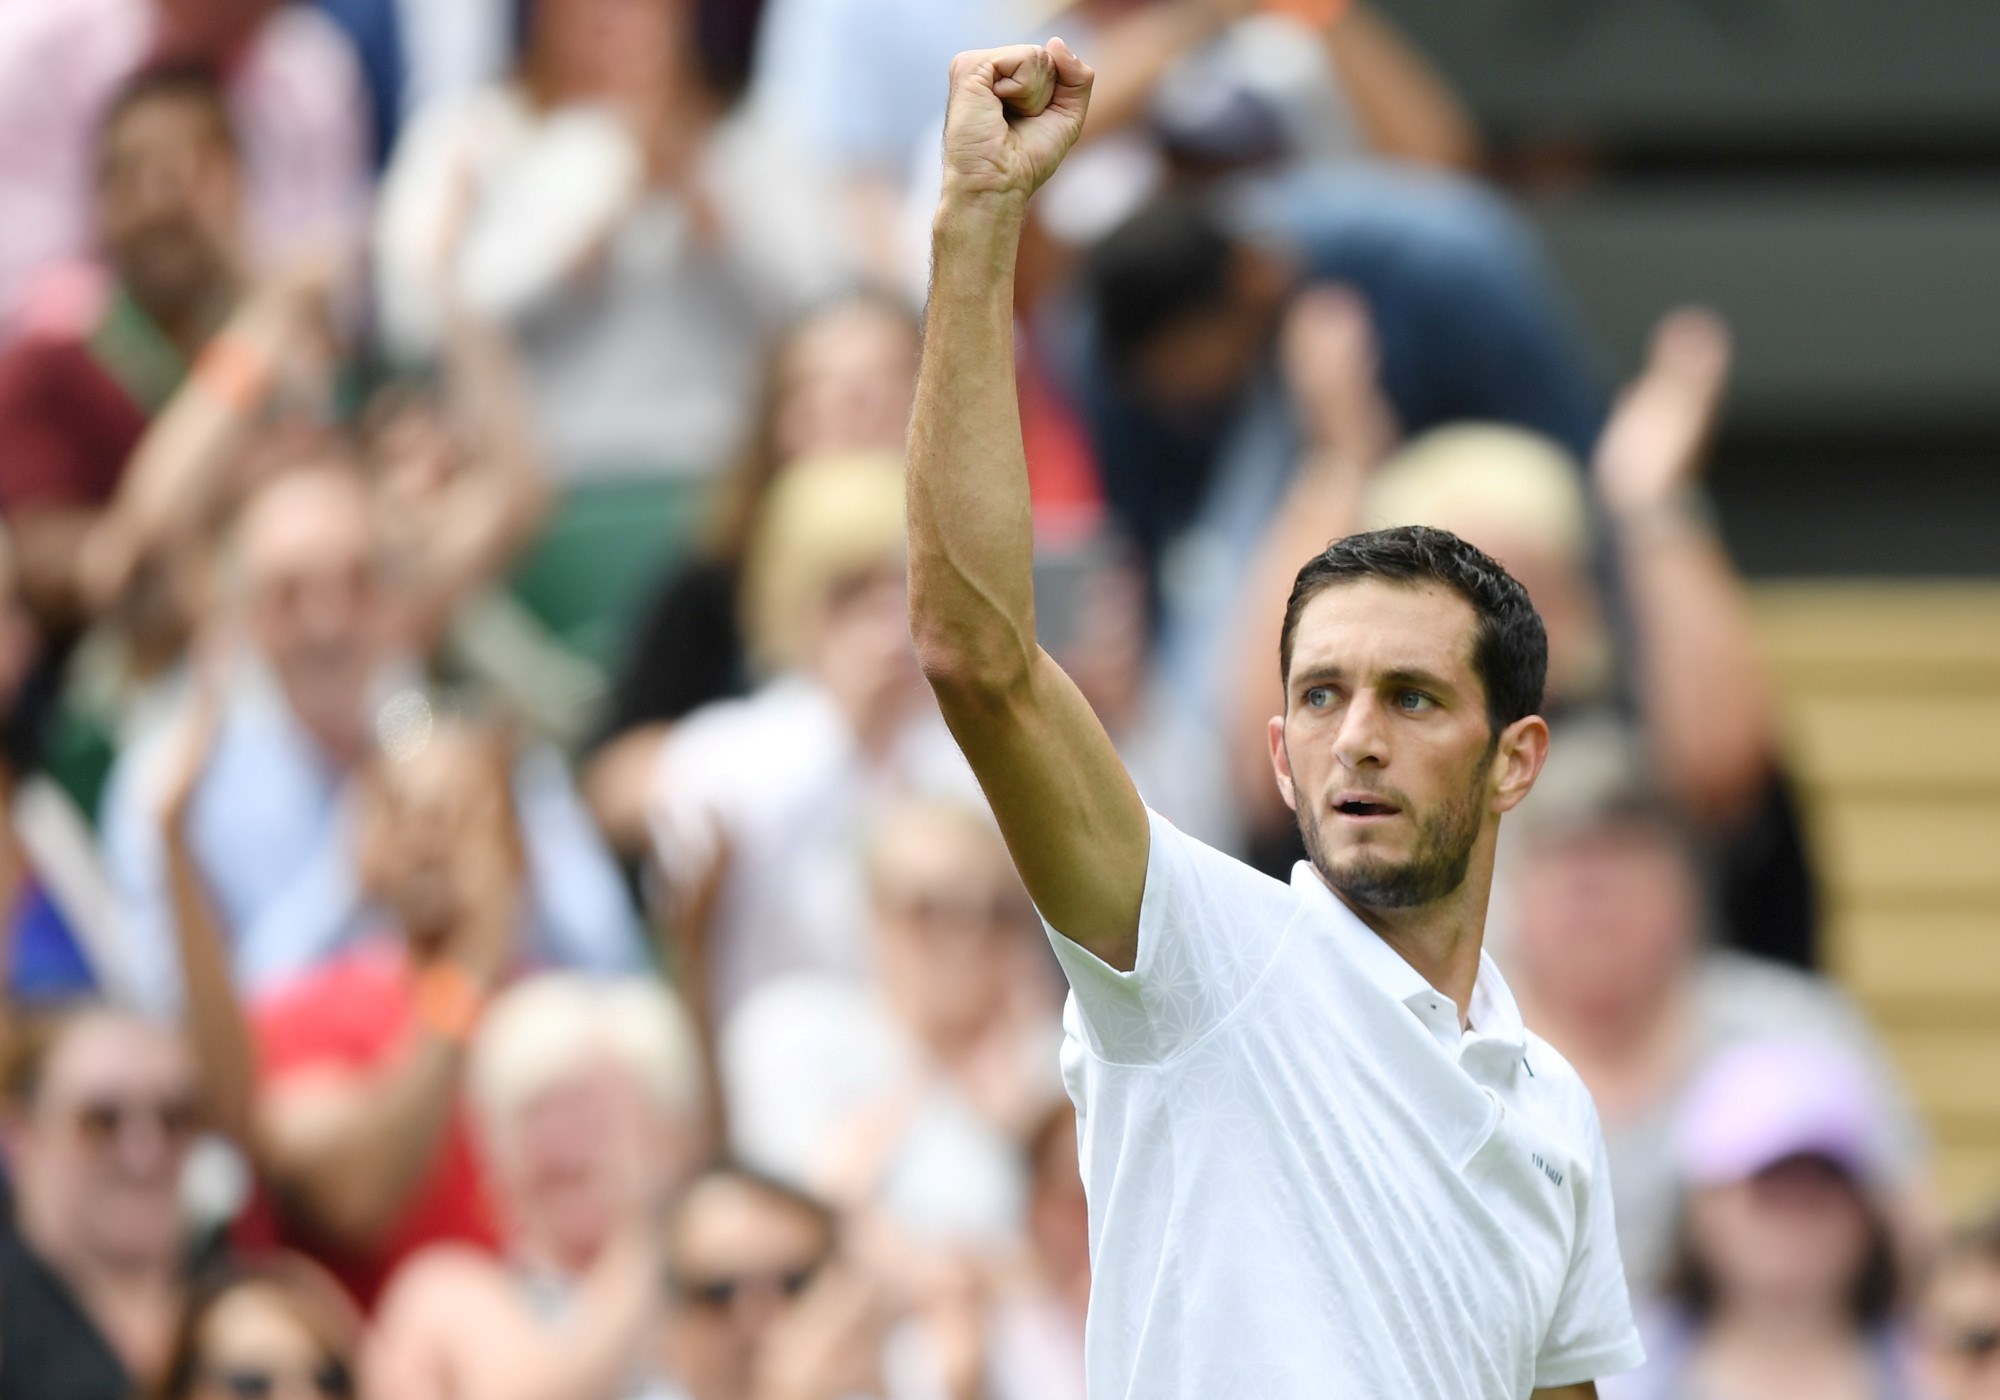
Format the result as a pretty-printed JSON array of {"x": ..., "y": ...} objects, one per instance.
[{"x": 1323, "y": 1156}]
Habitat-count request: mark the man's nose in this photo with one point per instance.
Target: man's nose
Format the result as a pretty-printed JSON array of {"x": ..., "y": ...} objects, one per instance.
[{"x": 1362, "y": 739}]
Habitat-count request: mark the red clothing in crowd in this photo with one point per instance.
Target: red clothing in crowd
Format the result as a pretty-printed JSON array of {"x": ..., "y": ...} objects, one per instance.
[
  {"x": 357, "y": 1013},
  {"x": 77, "y": 388}
]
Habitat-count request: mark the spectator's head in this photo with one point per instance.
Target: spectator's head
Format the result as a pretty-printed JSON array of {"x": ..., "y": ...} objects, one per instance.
[
  {"x": 955, "y": 935},
  {"x": 275, "y": 1329},
  {"x": 1608, "y": 901},
  {"x": 1519, "y": 497},
  {"x": 1958, "y": 1333},
  {"x": 741, "y": 1251},
  {"x": 842, "y": 381},
  {"x": 1184, "y": 310},
  {"x": 102, "y": 1109},
  {"x": 606, "y": 50},
  {"x": 315, "y": 607},
  {"x": 587, "y": 1094},
  {"x": 823, "y": 589},
  {"x": 1413, "y": 668},
  {"x": 207, "y": 31},
  {"x": 169, "y": 194},
  {"x": 438, "y": 827},
  {"x": 1780, "y": 1147}
]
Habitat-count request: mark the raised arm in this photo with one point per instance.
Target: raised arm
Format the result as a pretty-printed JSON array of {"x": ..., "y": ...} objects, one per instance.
[{"x": 1073, "y": 821}]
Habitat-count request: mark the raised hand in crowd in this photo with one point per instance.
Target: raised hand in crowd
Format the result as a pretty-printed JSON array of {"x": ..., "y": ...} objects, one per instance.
[
  {"x": 273, "y": 359},
  {"x": 350, "y": 1143},
  {"x": 1710, "y": 709},
  {"x": 1327, "y": 350},
  {"x": 828, "y": 1345}
]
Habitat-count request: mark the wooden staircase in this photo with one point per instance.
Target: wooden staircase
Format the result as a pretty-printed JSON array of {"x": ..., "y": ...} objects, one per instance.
[{"x": 1892, "y": 694}]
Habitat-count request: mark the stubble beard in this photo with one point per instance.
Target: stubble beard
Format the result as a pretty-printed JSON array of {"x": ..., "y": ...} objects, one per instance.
[{"x": 1435, "y": 867}]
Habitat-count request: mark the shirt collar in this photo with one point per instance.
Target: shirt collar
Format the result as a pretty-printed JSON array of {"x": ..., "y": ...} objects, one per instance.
[{"x": 1493, "y": 1014}]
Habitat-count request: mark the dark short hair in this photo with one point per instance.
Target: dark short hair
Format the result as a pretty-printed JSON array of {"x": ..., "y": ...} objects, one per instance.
[
  {"x": 1510, "y": 648},
  {"x": 308, "y": 1293},
  {"x": 1169, "y": 260},
  {"x": 1872, "y": 1293},
  {"x": 195, "y": 83},
  {"x": 781, "y": 1193}
]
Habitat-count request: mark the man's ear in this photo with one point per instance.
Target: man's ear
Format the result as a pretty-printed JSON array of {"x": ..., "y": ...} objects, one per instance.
[
  {"x": 1281, "y": 762},
  {"x": 1517, "y": 760}
]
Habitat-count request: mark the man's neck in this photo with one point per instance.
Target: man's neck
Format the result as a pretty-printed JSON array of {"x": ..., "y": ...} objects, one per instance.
[{"x": 1441, "y": 940}]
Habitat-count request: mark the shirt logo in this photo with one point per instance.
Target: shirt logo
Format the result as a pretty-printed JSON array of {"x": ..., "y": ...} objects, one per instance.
[{"x": 1548, "y": 1171}]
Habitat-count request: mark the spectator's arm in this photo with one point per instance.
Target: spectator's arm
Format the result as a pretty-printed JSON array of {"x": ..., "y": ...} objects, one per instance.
[
  {"x": 424, "y": 1349},
  {"x": 1330, "y": 366},
  {"x": 1072, "y": 818},
  {"x": 346, "y": 1150},
  {"x": 1710, "y": 713},
  {"x": 618, "y": 784},
  {"x": 177, "y": 481},
  {"x": 497, "y": 500},
  {"x": 1136, "y": 51},
  {"x": 1405, "y": 107},
  {"x": 217, "y": 1028}
]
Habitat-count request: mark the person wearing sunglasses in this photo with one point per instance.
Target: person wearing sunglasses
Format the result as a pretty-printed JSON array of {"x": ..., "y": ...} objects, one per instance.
[
  {"x": 276, "y": 1329},
  {"x": 1958, "y": 1317},
  {"x": 101, "y": 1109},
  {"x": 758, "y": 1308}
]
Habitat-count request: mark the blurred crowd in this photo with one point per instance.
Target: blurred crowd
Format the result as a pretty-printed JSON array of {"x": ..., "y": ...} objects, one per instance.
[{"x": 488, "y": 907}]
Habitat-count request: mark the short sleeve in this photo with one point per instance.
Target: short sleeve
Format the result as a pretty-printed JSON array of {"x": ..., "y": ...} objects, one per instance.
[
  {"x": 1209, "y": 929},
  {"x": 1592, "y": 1334}
]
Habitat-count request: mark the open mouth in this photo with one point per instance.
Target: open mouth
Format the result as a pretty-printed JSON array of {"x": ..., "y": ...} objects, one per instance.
[{"x": 1365, "y": 807}]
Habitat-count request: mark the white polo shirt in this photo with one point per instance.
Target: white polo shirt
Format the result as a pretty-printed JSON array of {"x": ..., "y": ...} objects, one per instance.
[{"x": 1305, "y": 1183}]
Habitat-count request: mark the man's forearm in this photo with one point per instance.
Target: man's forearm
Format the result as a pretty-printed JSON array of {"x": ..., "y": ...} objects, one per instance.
[{"x": 971, "y": 529}]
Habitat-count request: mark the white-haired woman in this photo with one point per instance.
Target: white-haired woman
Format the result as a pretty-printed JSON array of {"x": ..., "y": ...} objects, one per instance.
[{"x": 586, "y": 1096}]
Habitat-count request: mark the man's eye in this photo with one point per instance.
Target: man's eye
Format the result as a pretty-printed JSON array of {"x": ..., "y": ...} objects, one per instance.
[
  {"x": 1415, "y": 701},
  {"x": 1319, "y": 697}
]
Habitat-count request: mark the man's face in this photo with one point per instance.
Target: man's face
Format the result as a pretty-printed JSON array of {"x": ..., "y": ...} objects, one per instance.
[
  {"x": 168, "y": 200},
  {"x": 1959, "y": 1330},
  {"x": 315, "y": 605},
  {"x": 739, "y": 1261},
  {"x": 100, "y": 1150},
  {"x": 1384, "y": 750}
]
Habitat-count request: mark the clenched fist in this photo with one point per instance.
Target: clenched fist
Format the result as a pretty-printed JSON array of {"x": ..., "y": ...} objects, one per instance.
[{"x": 1014, "y": 114}]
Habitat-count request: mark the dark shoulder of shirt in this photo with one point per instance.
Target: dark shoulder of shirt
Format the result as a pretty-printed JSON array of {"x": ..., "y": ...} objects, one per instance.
[
  {"x": 49, "y": 1347},
  {"x": 687, "y": 652}
]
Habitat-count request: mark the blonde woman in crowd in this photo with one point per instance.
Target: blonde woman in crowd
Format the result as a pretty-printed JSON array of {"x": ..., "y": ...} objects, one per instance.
[
  {"x": 840, "y": 382},
  {"x": 761, "y": 805}
]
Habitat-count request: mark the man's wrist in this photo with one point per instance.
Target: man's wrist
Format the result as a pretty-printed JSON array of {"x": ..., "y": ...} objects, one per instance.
[{"x": 975, "y": 214}]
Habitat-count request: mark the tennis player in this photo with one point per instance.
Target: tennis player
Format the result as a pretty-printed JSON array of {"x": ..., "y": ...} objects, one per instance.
[{"x": 1325, "y": 1160}]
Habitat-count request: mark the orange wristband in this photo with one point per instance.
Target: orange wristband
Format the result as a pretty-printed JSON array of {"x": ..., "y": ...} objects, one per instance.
[
  {"x": 1318, "y": 14},
  {"x": 448, "y": 1002},
  {"x": 234, "y": 371}
]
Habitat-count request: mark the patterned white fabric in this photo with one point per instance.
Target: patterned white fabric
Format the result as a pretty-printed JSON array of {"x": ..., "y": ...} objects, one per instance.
[{"x": 1304, "y": 1181}]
